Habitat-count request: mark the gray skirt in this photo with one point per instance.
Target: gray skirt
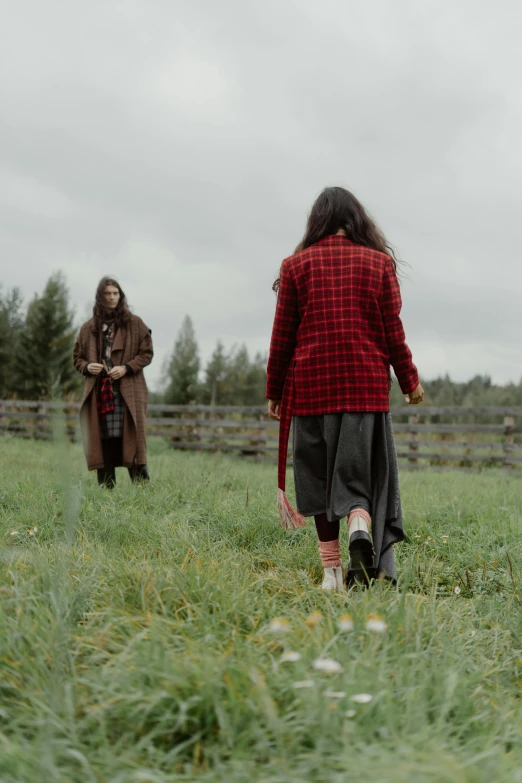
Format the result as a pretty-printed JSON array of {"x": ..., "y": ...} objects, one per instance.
[{"x": 344, "y": 461}]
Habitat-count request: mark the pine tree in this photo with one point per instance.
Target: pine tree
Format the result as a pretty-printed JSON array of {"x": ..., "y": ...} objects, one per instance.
[
  {"x": 11, "y": 323},
  {"x": 256, "y": 381},
  {"x": 44, "y": 357},
  {"x": 183, "y": 367},
  {"x": 246, "y": 382},
  {"x": 233, "y": 379},
  {"x": 216, "y": 372},
  {"x": 238, "y": 375}
]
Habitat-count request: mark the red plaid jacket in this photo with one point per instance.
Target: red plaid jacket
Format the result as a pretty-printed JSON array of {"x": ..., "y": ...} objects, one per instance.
[{"x": 337, "y": 330}]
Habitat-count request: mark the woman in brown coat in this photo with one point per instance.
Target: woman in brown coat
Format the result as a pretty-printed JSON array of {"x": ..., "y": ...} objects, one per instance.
[{"x": 111, "y": 350}]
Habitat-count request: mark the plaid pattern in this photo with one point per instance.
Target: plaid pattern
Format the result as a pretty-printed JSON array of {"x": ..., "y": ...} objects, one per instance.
[
  {"x": 105, "y": 397},
  {"x": 133, "y": 346},
  {"x": 337, "y": 330},
  {"x": 110, "y": 403},
  {"x": 337, "y": 326},
  {"x": 111, "y": 425}
]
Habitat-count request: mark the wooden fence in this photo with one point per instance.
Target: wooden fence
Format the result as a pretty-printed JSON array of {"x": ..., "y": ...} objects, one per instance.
[{"x": 469, "y": 438}]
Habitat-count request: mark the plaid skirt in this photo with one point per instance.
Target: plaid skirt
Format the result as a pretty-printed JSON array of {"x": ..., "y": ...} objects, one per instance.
[{"x": 111, "y": 424}]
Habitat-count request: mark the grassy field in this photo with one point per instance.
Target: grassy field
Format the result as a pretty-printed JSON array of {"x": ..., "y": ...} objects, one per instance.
[{"x": 137, "y": 644}]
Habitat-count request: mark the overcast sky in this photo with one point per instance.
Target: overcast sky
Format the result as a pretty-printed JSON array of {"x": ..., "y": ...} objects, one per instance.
[{"x": 178, "y": 144}]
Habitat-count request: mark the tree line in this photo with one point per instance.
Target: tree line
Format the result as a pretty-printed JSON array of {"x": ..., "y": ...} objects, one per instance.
[
  {"x": 230, "y": 377},
  {"x": 478, "y": 391},
  {"x": 36, "y": 348},
  {"x": 36, "y": 344}
]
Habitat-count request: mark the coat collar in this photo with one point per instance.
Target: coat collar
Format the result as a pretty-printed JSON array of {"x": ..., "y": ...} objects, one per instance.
[
  {"x": 334, "y": 239},
  {"x": 118, "y": 340}
]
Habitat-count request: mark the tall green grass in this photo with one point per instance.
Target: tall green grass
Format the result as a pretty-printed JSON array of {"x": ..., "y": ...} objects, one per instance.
[{"x": 136, "y": 645}]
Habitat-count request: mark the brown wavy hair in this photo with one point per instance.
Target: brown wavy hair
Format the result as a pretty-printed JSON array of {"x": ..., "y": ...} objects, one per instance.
[
  {"x": 336, "y": 208},
  {"x": 104, "y": 315}
]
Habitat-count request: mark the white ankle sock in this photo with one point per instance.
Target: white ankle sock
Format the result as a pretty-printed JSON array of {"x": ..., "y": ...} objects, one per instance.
[
  {"x": 333, "y": 579},
  {"x": 357, "y": 523}
]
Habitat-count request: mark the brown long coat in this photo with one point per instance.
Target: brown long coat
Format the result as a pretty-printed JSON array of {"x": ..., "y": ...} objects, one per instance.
[{"x": 133, "y": 346}]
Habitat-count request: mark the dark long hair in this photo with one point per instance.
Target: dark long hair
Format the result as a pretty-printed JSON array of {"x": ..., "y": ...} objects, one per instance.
[
  {"x": 336, "y": 208},
  {"x": 104, "y": 315}
]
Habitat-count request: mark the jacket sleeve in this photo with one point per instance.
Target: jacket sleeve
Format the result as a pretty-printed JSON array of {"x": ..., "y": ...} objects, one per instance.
[
  {"x": 284, "y": 335},
  {"x": 145, "y": 351},
  {"x": 400, "y": 355},
  {"x": 79, "y": 360}
]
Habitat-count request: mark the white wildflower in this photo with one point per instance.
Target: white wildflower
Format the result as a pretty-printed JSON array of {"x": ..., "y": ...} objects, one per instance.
[
  {"x": 362, "y": 698},
  {"x": 279, "y": 625},
  {"x": 375, "y": 623},
  {"x": 345, "y": 622},
  {"x": 290, "y": 657},
  {"x": 350, "y": 713},
  {"x": 14, "y": 532},
  {"x": 304, "y": 684},
  {"x": 327, "y": 665},
  {"x": 335, "y": 694},
  {"x": 457, "y": 590}
]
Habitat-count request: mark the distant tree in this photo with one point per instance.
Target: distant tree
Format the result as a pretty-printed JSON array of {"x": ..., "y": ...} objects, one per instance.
[
  {"x": 231, "y": 378},
  {"x": 183, "y": 367},
  {"x": 247, "y": 378},
  {"x": 256, "y": 381},
  {"x": 43, "y": 363},
  {"x": 237, "y": 379},
  {"x": 11, "y": 323},
  {"x": 213, "y": 390}
]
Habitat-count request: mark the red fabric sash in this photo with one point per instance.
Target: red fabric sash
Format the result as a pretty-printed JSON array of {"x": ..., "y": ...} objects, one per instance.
[
  {"x": 290, "y": 518},
  {"x": 285, "y": 423},
  {"x": 105, "y": 397}
]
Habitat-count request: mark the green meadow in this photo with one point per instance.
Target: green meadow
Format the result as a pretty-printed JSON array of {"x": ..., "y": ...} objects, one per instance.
[{"x": 138, "y": 642}]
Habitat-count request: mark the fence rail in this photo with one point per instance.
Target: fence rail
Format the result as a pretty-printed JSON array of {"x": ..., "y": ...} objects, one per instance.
[{"x": 438, "y": 437}]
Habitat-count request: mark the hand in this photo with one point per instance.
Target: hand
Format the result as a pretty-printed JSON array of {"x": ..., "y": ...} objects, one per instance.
[
  {"x": 117, "y": 372},
  {"x": 274, "y": 409},
  {"x": 94, "y": 368},
  {"x": 416, "y": 396}
]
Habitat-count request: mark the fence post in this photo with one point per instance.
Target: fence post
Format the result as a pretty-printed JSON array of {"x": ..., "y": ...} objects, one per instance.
[
  {"x": 413, "y": 445},
  {"x": 199, "y": 431},
  {"x": 70, "y": 421},
  {"x": 40, "y": 428},
  {"x": 509, "y": 439},
  {"x": 258, "y": 440}
]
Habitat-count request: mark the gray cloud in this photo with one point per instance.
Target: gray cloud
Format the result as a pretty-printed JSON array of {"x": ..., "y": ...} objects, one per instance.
[{"x": 179, "y": 145}]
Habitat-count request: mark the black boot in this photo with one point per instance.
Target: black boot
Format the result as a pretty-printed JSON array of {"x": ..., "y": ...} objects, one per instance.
[
  {"x": 139, "y": 474},
  {"x": 107, "y": 478},
  {"x": 111, "y": 448},
  {"x": 361, "y": 570}
]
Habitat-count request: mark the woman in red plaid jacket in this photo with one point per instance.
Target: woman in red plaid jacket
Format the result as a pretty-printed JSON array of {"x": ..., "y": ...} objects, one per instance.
[{"x": 337, "y": 331}]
